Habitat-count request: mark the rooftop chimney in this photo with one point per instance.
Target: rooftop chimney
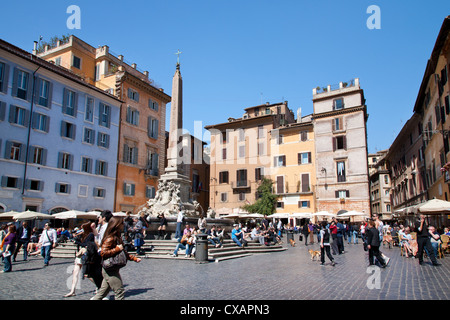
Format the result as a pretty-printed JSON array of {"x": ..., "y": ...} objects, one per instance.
[
  {"x": 35, "y": 48},
  {"x": 299, "y": 115}
]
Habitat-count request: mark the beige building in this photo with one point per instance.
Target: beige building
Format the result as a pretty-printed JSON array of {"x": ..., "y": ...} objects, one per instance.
[
  {"x": 380, "y": 185},
  {"x": 241, "y": 155},
  {"x": 293, "y": 170},
  {"x": 339, "y": 119}
]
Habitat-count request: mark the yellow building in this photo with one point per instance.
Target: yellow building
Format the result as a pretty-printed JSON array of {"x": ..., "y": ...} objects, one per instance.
[{"x": 293, "y": 168}]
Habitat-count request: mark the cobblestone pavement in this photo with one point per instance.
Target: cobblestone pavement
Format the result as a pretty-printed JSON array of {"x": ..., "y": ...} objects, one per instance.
[{"x": 288, "y": 275}]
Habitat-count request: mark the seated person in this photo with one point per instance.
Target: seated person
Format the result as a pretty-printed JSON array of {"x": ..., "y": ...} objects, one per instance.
[
  {"x": 237, "y": 235},
  {"x": 213, "y": 237},
  {"x": 271, "y": 236},
  {"x": 435, "y": 239},
  {"x": 186, "y": 242},
  {"x": 257, "y": 234},
  {"x": 408, "y": 242}
]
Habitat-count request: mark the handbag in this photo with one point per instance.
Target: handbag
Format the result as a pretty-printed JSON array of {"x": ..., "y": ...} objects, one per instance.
[{"x": 115, "y": 262}]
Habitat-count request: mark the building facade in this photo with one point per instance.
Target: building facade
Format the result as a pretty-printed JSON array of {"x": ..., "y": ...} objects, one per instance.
[
  {"x": 380, "y": 185},
  {"x": 142, "y": 116},
  {"x": 241, "y": 155},
  {"x": 339, "y": 119},
  {"x": 58, "y": 137}
]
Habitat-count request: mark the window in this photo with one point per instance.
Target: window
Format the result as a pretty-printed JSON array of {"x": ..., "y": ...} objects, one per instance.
[
  {"x": 224, "y": 197},
  {"x": 338, "y": 104},
  {"x": 280, "y": 184},
  {"x": 2, "y": 110},
  {"x": 342, "y": 194},
  {"x": 132, "y": 116},
  {"x": 34, "y": 185},
  {"x": 280, "y": 205},
  {"x": 241, "y": 135},
  {"x": 304, "y": 204},
  {"x": 19, "y": 116},
  {"x": 70, "y": 103},
  {"x": 304, "y": 158},
  {"x": 14, "y": 151},
  {"x": 153, "y": 128},
  {"x": 133, "y": 95},
  {"x": 40, "y": 122},
  {"x": 223, "y": 177},
  {"x": 44, "y": 93},
  {"x": 241, "y": 178},
  {"x": 303, "y": 136},
  {"x": 241, "y": 196},
  {"x": 279, "y": 161},
  {"x": 65, "y": 161},
  {"x": 224, "y": 153},
  {"x": 260, "y": 131},
  {"x": 4, "y": 68},
  {"x": 63, "y": 188},
  {"x": 68, "y": 130},
  {"x": 11, "y": 182},
  {"x": 99, "y": 192},
  {"x": 128, "y": 189},
  {"x": 104, "y": 117},
  {"x": 152, "y": 162},
  {"x": 339, "y": 143},
  {"x": 86, "y": 164},
  {"x": 261, "y": 149},
  {"x": 130, "y": 154},
  {"x": 305, "y": 183},
  {"x": 338, "y": 124},
  {"x": 38, "y": 155},
  {"x": 58, "y": 61},
  {"x": 340, "y": 168},
  {"x": 153, "y": 104},
  {"x": 103, "y": 140},
  {"x": 150, "y": 192},
  {"x": 89, "y": 136},
  {"x": 89, "y": 110},
  {"x": 101, "y": 167},
  {"x": 21, "y": 85},
  {"x": 76, "y": 62},
  {"x": 259, "y": 174}
]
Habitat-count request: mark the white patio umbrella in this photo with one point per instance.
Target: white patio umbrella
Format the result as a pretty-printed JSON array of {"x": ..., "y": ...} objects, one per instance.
[
  {"x": 279, "y": 215},
  {"x": 324, "y": 214},
  {"x": 433, "y": 206},
  {"x": 301, "y": 215},
  {"x": 351, "y": 214},
  {"x": 31, "y": 215},
  {"x": 75, "y": 214},
  {"x": 252, "y": 215},
  {"x": 8, "y": 216}
]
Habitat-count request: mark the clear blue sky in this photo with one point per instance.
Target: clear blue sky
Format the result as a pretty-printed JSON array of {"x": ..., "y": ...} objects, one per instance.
[{"x": 237, "y": 53}]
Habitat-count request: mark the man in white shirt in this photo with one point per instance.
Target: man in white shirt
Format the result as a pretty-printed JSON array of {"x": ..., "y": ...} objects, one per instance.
[
  {"x": 47, "y": 241},
  {"x": 103, "y": 220},
  {"x": 180, "y": 219}
]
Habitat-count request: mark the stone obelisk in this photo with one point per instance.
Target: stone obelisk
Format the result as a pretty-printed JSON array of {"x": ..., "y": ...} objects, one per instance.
[{"x": 175, "y": 171}]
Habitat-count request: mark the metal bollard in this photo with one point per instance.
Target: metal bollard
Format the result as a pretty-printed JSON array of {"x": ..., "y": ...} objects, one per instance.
[{"x": 201, "y": 252}]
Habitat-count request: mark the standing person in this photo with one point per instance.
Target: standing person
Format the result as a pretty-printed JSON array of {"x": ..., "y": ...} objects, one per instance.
[
  {"x": 325, "y": 244},
  {"x": 112, "y": 245},
  {"x": 311, "y": 231},
  {"x": 103, "y": 220},
  {"x": 138, "y": 235},
  {"x": 380, "y": 226},
  {"x": 47, "y": 242},
  {"x": 335, "y": 244},
  {"x": 162, "y": 226},
  {"x": 362, "y": 230},
  {"x": 265, "y": 224},
  {"x": 23, "y": 237},
  {"x": 373, "y": 244},
  {"x": 305, "y": 231},
  {"x": 81, "y": 240},
  {"x": 340, "y": 236},
  {"x": 201, "y": 223},
  {"x": 8, "y": 245},
  {"x": 180, "y": 220},
  {"x": 423, "y": 241}
]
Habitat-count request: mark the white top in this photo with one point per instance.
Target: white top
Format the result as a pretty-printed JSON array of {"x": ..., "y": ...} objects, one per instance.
[{"x": 47, "y": 237}]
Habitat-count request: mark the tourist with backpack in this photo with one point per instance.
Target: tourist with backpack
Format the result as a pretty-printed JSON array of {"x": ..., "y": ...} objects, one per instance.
[{"x": 325, "y": 244}]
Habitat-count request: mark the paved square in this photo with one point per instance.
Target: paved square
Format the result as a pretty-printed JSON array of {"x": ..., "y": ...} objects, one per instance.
[{"x": 287, "y": 275}]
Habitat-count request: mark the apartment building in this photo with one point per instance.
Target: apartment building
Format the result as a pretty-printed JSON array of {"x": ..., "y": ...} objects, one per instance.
[
  {"x": 58, "y": 137},
  {"x": 293, "y": 171},
  {"x": 142, "y": 116},
  {"x": 406, "y": 164},
  {"x": 433, "y": 106},
  {"x": 380, "y": 185},
  {"x": 339, "y": 120},
  {"x": 241, "y": 155}
]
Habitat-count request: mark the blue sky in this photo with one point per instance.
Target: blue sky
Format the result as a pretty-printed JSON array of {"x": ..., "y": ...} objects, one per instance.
[{"x": 239, "y": 53}]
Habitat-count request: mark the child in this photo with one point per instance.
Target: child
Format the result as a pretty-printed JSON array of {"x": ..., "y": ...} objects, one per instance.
[{"x": 325, "y": 244}]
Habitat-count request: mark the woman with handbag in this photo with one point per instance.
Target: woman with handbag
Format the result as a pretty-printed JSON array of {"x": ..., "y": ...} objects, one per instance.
[
  {"x": 87, "y": 234},
  {"x": 7, "y": 247},
  {"x": 114, "y": 258}
]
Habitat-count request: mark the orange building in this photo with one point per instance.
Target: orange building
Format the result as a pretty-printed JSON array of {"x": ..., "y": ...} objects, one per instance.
[{"x": 142, "y": 118}]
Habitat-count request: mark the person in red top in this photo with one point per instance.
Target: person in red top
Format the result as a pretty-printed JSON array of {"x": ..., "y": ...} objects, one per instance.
[{"x": 333, "y": 230}]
